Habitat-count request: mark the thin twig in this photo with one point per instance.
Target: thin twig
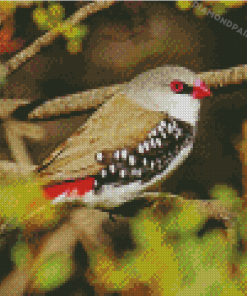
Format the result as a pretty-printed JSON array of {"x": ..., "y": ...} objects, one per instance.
[
  {"x": 233, "y": 75},
  {"x": 15, "y": 283},
  {"x": 75, "y": 102},
  {"x": 214, "y": 208},
  {"x": 48, "y": 37},
  {"x": 8, "y": 106},
  {"x": 15, "y": 131},
  {"x": 242, "y": 147},
  {"x": 93, "y": 98},
  {"x": 15, "y": 169}
]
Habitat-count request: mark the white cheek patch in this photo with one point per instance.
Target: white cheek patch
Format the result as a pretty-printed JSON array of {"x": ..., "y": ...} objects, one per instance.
[
  {"x": 183, "y": 107},
  {"x": 180, "y": 106},
  {"x": 152, "y": 90}
]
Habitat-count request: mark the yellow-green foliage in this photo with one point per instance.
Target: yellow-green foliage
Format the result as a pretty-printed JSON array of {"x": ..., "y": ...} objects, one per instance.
[
  {"x": 21, "y": 254},
  {"x": 49, "y": 273},
  {"x": 19, "y": 199},
  {"x": 210, "y": 282},
  {"x": 227, "y": 195},
  {"x": 195, "y": 255},
  {"x": 8, "y": 7},
  {"x": 52, "y": 19},
  {"x": 169, "y": 256},
  {"x": 185, "y": 217},
  {"x": 152, "y": 262},
  {"x": 23, "y": 204},
  {"x": 218, "y": 7},
  {"x": 242, "y": 224}
]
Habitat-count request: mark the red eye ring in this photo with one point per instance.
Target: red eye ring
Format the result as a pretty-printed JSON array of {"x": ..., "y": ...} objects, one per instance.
[{"x": 177, "y": 86}]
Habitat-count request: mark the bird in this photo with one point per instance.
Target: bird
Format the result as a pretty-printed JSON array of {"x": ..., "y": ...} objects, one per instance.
[{"x": 138, "y": 135}]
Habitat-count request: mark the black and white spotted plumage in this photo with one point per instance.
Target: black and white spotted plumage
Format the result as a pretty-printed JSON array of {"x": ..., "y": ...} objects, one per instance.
[
  {"x": 148, "y": 158},
  {"x": 136, "y": 138}
]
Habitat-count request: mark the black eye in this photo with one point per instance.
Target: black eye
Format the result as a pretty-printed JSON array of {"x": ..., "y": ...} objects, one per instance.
[{"x": 181, "y": 87}]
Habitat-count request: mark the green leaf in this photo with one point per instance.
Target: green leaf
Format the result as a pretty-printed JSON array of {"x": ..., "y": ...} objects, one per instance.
[
  {"x": 74, "y": 45},
  {"x": 49, "y": 273},
  {"x": 74, "y": 32},
  {"x": 56, "y": 11},
  {"x": 219, "y": 8},
  {"x": 19, "y": 199},
  {"x": 21, "y": 254},
  {"x": 41, "y": 18},
  {"x": 228, "y": 195}
]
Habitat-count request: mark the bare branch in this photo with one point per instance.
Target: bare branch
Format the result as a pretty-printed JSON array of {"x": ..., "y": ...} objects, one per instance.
[
  {"x": 15, "y": 131},
  {"x": 15, "y": 283},
  {"x": 14, "y": 169},
  {"x": 233, "y": 75},
  {"x": 46, "y": 39},
  {"x": 76, "y": 102},
  {"x": 8, "y": 106},
  {"x": 214, "y": 208}
]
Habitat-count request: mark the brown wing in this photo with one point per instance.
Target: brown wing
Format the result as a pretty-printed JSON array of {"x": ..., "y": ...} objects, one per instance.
[{"x": 120, "y": 123}]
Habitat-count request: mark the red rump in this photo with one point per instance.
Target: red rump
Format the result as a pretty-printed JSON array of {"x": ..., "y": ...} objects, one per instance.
[{"x": 82, "y": 186}]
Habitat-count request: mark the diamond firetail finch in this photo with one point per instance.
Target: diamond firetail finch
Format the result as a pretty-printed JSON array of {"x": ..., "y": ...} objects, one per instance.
[{"x": 137, "y": 137}]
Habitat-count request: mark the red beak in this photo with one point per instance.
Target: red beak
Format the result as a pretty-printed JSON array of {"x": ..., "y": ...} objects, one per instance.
[
  {"x": 82, "y": 186},
  {"x": 200, "y": 91}
]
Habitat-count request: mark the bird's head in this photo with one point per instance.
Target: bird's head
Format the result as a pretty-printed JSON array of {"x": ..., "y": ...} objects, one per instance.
[{"x": 174, "y": 90}]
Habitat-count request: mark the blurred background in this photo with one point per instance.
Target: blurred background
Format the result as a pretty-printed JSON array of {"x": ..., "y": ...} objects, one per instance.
[{"x": 120, "y": 42}]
